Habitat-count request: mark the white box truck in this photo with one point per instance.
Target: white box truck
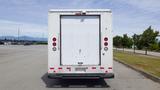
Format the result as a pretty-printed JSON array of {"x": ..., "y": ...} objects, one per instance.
[{"x": 80, "y": 43}]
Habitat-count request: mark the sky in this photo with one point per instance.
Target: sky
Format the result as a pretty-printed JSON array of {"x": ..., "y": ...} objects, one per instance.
[{"x": 30, "y": 17}]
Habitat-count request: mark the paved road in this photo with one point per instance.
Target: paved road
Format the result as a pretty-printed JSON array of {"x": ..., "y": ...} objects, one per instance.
[
  {"x": 25, "y": 67},
  {"x": 141, "y": 52}
]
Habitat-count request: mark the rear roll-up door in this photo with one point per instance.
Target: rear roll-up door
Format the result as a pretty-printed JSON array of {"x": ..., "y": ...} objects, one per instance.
[{"x": 80, "y": 40}]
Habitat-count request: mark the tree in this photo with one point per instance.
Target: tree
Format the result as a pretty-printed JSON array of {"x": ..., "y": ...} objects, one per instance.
[
  {"x": 117, "y": 41},
  {"x": 126, "y": 41},
  {"x": 154, "y": 46},
  {"x": 159, "y": 45},
  {"x": 148, "y": 37},
  {"x": 129, "y": 43},
  {"x": 137, "y": 41}
]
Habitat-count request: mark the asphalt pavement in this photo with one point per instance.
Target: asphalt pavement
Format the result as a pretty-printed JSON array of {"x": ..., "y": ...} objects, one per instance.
[{"x": 25, "y": 68}]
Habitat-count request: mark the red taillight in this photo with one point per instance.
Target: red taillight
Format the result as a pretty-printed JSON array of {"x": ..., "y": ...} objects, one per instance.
[
  {"x": 101, "y": 67},
  {"x": 60, "y": 68},
  {"x": 51, "y": 68},
  {"x": 54, "y": 39},
  {"x": 93, "y": 67},
  {"x": 105, "y": 43},
  {"x": 105, "y": 39},
  {"x": 54, "y": 44},
  {"x": 109, "y": 67}
]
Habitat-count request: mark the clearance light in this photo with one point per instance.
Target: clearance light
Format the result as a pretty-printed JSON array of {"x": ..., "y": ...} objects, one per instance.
[
  {"x": 101, "y": 67},
  {"x": 78, "y": 13},
  {"x": 93, "y": 67},
  {"x": 60, "y": 68},
  {"x": 109, "y": 67},
  {"x": 51, "y": 68}
]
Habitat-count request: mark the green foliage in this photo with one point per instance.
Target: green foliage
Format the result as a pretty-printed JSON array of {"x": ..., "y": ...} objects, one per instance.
[
  {"x": 149, "y": 37},
  {"x": 137, "y": 41},
  {"x": 154, "y": 47},
  {"x": 125, "y": 41},
  {"x": 117, "y": 41},
  {"x": 146, "y": 40},
  {"x": 129, "y": 43},
  {"x": 159, "y": 45}
]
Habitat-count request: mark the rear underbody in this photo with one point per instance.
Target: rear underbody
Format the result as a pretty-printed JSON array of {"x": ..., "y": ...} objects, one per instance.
[{"x": 80, "y": 75}]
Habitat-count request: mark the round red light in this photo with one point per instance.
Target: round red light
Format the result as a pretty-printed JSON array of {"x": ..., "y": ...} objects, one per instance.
[
  {"x": 105, "y": 43},
  {"x": 105, "y": 39},
  {"x": 54, "y": 44},
  {"x": 54, "y": 39}
]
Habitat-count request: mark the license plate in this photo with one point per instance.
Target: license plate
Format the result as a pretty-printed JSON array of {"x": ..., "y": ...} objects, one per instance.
[{"x": 80, "y": 69}]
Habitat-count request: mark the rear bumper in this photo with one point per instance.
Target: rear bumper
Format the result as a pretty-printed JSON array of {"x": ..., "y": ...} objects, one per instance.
[{"x": 80, "y": 75}]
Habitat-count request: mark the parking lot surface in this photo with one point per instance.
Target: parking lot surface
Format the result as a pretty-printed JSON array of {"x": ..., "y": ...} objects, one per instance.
[{"x": 25, "y": 68}]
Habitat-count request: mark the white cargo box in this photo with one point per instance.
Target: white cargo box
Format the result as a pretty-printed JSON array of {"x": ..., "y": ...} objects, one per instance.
[{"x": 80, "y": 43}]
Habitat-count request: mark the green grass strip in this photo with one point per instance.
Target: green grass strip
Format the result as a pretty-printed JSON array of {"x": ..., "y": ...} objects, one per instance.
[{"x": 148, "y": 64}]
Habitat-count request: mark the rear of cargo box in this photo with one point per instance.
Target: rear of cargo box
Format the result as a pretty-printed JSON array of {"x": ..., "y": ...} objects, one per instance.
[{"x": 80, "y": 43}]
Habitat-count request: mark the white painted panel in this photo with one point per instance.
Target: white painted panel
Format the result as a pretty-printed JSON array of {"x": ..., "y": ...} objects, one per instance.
[{"x": 80, "y": 40}]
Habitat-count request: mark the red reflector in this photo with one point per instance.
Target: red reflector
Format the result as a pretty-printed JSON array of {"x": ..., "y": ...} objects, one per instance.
[
  {"x": 106, "y": 71},
  {"x": 101, "y": 67},
  {"x": 54, "y": 44},
  {"x": 109, "y": 67},
  {"x": 105, "y": 39},
  {"x": 60, "y": 68},
  {"x": 93, "y": 67},
  {"x": 105, "y": 43},
  {"x": 54, "y": 39},
  {"x": 51, "y": 68}
]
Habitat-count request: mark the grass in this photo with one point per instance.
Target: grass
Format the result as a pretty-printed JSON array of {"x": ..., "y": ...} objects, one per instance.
[{"x": 148, "y": 64}]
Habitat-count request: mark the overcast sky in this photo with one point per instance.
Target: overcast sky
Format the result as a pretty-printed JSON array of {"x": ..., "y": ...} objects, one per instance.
[{"x": 30, "y": 16}]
